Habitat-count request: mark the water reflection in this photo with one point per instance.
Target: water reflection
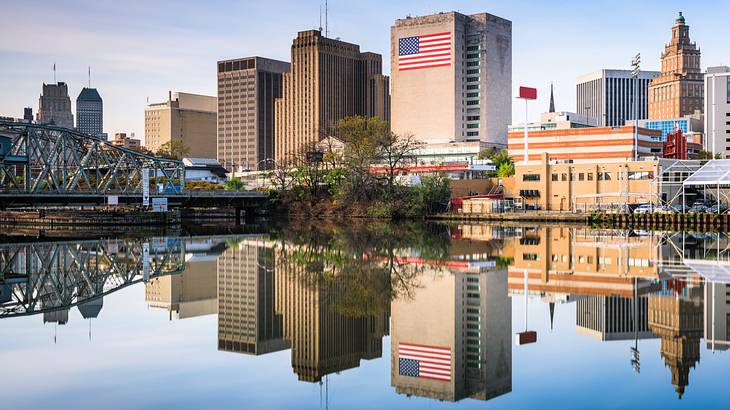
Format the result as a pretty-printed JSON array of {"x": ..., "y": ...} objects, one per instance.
[{"x": 330, "y": 294}]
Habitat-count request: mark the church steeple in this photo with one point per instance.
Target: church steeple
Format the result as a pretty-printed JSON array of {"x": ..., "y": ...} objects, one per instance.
[{"x": 552, "y": 99}]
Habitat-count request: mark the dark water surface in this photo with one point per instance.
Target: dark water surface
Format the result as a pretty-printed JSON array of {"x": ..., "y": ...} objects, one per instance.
[{"x": 368, "y": 315}]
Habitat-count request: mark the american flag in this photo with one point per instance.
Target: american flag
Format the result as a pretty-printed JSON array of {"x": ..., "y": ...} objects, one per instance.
[
  {"x": 426, "y": 51},
  {"x": 427, "y": 362}
]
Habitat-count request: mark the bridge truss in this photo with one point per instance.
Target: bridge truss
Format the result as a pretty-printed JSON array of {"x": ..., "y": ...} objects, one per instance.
[
  {"x": 53, "y": 277},
  {"x": 41, "y": 159}
]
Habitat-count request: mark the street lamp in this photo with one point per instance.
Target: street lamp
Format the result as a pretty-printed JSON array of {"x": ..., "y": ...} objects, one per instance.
[{"x": 635, "y": 76}]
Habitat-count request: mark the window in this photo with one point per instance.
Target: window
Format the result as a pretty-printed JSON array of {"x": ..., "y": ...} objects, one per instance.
[
  {"x": 475, "y": 55},
  {"x": 472, "y": 102},
  {"x": 472, "y": 125},
  {"x": 590, "y": 176},
  {"x": 472, "y": 63},
  {"x": 472, "y": 118},
  {"x": 472, "y": 79},
  {"x": 530, "y": 257},
  {"x": 472, "y": 87},
  {"x": 473, "y": 71},
  {"x": 472, "y": 48},
  {"x": 563, "y": 177},
  {"x": 472, "y": 134},
  {"x": 554, "y": 177},
  {"x": 634, "y": 175},
  {"x": 604, "y": 176},
  {"x": 472, "y": 95},
  {"x": 581, "y": 176},
  {"x": 531, "y": 177}
]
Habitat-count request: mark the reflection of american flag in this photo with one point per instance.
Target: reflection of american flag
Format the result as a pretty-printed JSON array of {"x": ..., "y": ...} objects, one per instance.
[
  {"x": 427, "y": 362},
  {"x": 426, "y": 51}
]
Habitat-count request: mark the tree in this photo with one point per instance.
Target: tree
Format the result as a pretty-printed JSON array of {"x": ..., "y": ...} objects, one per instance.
[
  {"x": 234, "y": 184},
  {"x": 173, "y": 149},
  {"x": 395, "y": 153},
  {"x": 506, "y": 169},
  {"x": 708, "y": 155},
  {"x": 363, "y": 137},
  {"x": 503, "y": 163}
]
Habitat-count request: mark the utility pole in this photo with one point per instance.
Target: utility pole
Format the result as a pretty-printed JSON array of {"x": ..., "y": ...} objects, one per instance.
[{"x": 635, "y": 76}]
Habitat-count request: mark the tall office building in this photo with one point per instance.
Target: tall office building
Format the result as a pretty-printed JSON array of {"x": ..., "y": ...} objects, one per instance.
[
  {"x": 452, "y": 77},
  {"x": 28, "y": 114},
  {"x": 328, "y": 80},
  {"x": 247, "y": 320},
  {"x": 247, "y": 88},
  {"x": 679, "y": 90},
  {"x": 324, "y": 338},
  {"x": 608, "y": 96},
  {"x": 54, "y": 106},
  {"x": 465, "y": 314},
  {"x": 90, "y": 112},
  {"x": 188, "y": 118},
  {"x": 717, "y": 316},
  {"x": 717, "y": 110},
  {"x": 189, "y": 294},
  {"x": 612, "y": 317}
]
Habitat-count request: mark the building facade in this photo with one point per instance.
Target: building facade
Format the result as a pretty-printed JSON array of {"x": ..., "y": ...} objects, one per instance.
[
  {"x": 328, "y": 80},
  {"x": 247, "y": 89},
  {"x": 679, "y": 89},
  {"x": 54, "y": 106},
  {"x": 691, "y": 125},
  {"x": 122, "y": 140},
  {"x": 187, "y": 118},
  {"x": 28, "y": 114},
  {"x": 90, "y": 112},
  {"x": 608, "y": 96},
  {"x": 717, "y": 110},
  {"x": 452, "y": 78}
]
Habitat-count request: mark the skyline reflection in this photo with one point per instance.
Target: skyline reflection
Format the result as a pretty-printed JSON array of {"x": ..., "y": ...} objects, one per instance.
[{"x": 333, "y": 296}]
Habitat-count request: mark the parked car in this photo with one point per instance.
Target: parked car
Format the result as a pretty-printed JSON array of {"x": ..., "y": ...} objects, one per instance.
[
  {"x": 665, "y": 209},
  {"x": 717, "y": 208},
  {"x": 644, "y": 209},
  {"x": 697, "y": 207}
]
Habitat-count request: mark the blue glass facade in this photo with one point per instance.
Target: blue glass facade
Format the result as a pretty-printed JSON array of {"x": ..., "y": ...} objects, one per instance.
[{"x": 667, "y": 126}]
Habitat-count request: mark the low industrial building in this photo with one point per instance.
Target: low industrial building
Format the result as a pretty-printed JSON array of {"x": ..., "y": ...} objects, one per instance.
[{"x": 204, "y": 169}]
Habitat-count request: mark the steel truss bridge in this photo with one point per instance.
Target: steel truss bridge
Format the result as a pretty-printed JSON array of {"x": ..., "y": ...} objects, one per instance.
[
  {"x": 52, "y": 277},
  {"x": 48, "y": 165},
  {"x": 47, "y": 160}
]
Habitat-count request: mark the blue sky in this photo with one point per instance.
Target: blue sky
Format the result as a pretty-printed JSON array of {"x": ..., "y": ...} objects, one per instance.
[{"x": 139, "y": 50}]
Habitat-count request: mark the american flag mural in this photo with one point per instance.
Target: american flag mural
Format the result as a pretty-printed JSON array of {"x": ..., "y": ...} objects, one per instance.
[
  {"x": 425, "y": 51},
  {"x": 428, "y": 362}
]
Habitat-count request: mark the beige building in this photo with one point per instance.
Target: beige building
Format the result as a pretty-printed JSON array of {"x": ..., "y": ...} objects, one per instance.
[
  {"x": 189, "y": 294},
  {"x": 188, "y": 118},
  {"x": 451, "y": 77},
  {"x": 54, "y": 106},
  {"x": 679, "y": 90},
  {"x": 122, "y": 140},
  {"x": 328, "y": 80},
  {"x": 467, "y": 311},
  {"x": 247, "y": 89}
]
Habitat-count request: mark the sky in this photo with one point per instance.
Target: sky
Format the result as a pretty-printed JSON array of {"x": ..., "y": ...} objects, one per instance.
[{"x": 138, "y": 50}]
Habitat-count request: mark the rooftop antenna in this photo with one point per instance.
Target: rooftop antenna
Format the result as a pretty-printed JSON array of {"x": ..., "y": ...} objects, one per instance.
[
  {"x": 320, "y": 18},
  {"x": 326, "y": 25},
  {"x": 89, "y": 76},
  {"x": 54, "y": 72}
]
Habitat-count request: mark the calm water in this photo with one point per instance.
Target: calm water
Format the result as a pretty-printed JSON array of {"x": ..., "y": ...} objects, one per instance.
[{"x": 368, "y": 316}]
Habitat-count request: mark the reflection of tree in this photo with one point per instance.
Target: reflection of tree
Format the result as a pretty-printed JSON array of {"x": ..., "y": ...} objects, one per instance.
[{"x": 360, "y": 267}]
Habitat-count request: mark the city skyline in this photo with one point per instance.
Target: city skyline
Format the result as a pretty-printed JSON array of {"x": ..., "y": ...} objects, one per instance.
[{"x": 142, "y": 58}]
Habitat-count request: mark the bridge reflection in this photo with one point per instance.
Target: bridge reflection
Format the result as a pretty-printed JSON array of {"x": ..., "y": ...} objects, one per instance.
[{"x": 330, "y": 296}]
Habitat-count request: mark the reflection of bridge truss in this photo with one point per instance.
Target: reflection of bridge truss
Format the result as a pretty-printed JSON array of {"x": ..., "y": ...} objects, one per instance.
[
  {"x": 44, "y": 159},
  {"x": 47, "y": 277}
]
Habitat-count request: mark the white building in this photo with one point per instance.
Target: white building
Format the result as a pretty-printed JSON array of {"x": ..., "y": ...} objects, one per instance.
[
  {"x": 451, "y": 78},
  {"x": 204, "y": 169},
  {"x": 607, "y": 96},
  {"x": 717, "y": 110}
]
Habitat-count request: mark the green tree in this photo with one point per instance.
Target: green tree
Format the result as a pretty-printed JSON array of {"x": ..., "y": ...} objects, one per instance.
[
  {"x": 506, "y": 169},
  {"x": 708, "y": 155},
  {"x": 173, "y": 149},
  {"x": 234, "y": 184}
]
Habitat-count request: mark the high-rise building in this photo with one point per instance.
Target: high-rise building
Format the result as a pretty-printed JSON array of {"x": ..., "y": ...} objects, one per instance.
[
  {"x": 247, "y": 320},
  {"x": 679, "y": 90},
  {"x": 90, "y": 112},
  {"x": 328, "y": 80},
  {"x": 247, "y": 88},
  {"x": 611, "y": 317},
  {"x": 54, "y": 106},
  {"x": 464, "y": 313},
  {"x": 187, "y": 118},
  {"x": 192, "y": 293},
  {"x": 28, "y": 114},
  {"x": 717, "y": 110},
  {"x": 452, "y": 78},
  {"x": 608, "y": 96},
  {"x": 717, "y": 316}
]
